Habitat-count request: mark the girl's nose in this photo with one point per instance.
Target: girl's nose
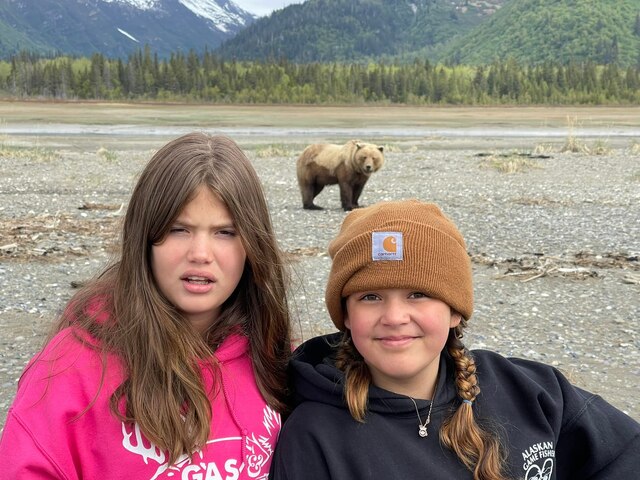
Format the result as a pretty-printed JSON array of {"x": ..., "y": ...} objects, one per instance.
[
  {"x": 395, "y": 312},
  {"x": 200, "y": 250}
]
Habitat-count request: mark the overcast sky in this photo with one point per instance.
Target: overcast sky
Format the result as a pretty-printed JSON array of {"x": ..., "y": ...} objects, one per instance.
[{"x": 264, "y": 7}]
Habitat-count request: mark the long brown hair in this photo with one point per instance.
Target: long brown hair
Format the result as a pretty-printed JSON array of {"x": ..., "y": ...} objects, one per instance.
[
  {"x": 163, "y": 390},
  {"x": 480, "y": 450}
]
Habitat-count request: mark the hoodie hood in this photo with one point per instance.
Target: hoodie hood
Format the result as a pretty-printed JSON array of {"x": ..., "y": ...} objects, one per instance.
[
  {"x": 316, "y": 378},
  {"x": 233, "y": 347}
]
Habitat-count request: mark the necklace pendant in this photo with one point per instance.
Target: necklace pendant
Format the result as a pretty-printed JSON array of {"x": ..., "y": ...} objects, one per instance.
[{"x": 422, "y": 431}]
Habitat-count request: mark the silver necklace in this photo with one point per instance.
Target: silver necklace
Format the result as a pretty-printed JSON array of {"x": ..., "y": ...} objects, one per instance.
[{"x": 422, "y": 427}]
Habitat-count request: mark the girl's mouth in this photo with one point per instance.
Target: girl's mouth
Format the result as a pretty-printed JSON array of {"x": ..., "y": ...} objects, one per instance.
[{"x": 198, "y": 280}]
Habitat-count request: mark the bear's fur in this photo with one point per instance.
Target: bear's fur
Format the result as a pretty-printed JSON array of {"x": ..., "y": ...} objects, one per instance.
[{"x": 349, "y": 165}]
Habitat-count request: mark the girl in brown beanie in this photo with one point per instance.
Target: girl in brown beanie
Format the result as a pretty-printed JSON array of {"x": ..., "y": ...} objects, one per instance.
[{"x": 396, "y": 394}]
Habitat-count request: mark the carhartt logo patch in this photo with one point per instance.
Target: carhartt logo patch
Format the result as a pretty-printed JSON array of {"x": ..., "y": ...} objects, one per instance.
[{"x": 386, "y": 246}]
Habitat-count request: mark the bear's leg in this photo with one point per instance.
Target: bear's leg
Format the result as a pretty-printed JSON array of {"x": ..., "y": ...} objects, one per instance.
[
  {"x": 346, "y": 196},
  {"x": 309, "y": 192},
  {"x": 357, "y": 191}
]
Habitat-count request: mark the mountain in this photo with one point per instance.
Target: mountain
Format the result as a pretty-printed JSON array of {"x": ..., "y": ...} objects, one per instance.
[
  {"x": 452, "y": 31},
  {"x": 116, "y": 28},
  {"x": 535, "y": 31},
  {"x": 355, "y": 30}
]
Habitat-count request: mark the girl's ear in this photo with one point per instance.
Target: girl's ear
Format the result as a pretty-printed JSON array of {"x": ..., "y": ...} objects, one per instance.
[
  {"x": 347, "y": 323},
  {"x": 456, "y": 318}
]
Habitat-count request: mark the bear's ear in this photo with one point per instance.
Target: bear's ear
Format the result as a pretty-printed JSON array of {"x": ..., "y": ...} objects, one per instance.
[
  {"x": 381, "y": 149},
  {"x": 359, "y": 146}
]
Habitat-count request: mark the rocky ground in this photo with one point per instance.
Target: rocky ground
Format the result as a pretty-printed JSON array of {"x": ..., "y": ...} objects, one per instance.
[{"x": 555, "y": 243}]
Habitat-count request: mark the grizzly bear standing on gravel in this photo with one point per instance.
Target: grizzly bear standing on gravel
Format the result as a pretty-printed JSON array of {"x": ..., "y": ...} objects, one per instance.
[{"x": 349, "y": 165}]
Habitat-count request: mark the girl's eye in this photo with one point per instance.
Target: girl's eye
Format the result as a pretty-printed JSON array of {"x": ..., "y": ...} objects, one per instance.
[
  {"x": 228, "y": 232},
  {"x": 418, "y": 295},
  {"x": 369, "y": 297},
  {"x": 177, "y": 230}
]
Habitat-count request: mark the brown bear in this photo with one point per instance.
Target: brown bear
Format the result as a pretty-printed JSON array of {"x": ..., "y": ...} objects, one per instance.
[{"x": 349, "y": 165}]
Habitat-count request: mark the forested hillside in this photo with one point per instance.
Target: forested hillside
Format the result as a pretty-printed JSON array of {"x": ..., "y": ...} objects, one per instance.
[
  {"x": 12, "y": 37},
  {"x": 357, "y": 30},
  {"x": 535, "y": 31},
  {"x": 473, "y": 32}
]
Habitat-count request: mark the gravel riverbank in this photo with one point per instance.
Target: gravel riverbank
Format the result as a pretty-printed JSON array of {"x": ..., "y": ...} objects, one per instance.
[{"x": 555, "y": 245}]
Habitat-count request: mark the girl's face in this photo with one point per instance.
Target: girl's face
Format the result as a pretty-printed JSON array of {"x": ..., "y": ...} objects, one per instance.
[
  {"x": 199, "y": 263},
  {"x": 400, "y": 334}
]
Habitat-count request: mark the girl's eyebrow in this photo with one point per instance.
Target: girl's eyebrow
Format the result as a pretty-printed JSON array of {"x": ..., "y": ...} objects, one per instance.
[
  {"x": 184, "y": 219},
  {"x": 224, "y": 224}
]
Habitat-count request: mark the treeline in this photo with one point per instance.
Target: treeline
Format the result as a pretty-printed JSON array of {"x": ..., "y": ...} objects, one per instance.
[{"x": 206, "y": 78}]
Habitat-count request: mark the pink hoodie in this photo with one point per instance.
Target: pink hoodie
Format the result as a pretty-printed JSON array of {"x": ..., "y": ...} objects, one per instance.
[{"x": 42, "y": 437}]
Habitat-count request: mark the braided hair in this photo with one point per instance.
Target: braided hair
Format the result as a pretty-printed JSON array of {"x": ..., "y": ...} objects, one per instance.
[
  {"x": 480, "y": 450},
  {"x": 357, "y": 377}
]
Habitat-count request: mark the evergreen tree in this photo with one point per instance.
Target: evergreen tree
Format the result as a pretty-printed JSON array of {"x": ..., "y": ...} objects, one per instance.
[{"x": 209, "y": 79}]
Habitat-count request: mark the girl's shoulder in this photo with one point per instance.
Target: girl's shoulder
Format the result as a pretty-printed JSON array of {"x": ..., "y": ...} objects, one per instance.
[
  {"x": 70, "y": 361},
  {"x": 510, "y": 386},
  {"x": 518, "y": 372},
  {"x": 66, "y": 347},
  {"x": 316, "y": 349}
]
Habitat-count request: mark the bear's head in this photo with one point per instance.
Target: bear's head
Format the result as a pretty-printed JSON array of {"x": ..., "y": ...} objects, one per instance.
[{"x": 368, "y": 158}]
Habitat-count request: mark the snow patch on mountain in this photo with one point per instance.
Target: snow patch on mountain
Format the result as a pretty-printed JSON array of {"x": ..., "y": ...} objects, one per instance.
[
  {"x": 128, "y": 35},
  {"x": 141, "y": 4},
  {"x": 225, "y": 15},
  {"x": 211, "y": 10}
]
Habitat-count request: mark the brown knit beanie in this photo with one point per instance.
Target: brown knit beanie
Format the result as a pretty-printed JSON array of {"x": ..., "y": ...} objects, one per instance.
[{"x": 400, "y": 244}]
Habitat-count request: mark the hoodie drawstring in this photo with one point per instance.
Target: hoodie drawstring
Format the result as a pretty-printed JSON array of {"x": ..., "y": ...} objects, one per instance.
[{"x": 243, "y": 430}]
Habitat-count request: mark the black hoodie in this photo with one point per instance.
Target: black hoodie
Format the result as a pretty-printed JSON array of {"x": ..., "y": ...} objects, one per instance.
[{"x": 550, "y": 429}]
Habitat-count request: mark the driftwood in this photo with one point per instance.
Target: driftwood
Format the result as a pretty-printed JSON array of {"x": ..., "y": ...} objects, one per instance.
[
  {"x": 632, "y": 278},
  {"x": 9, "y": 247},
  {"x": 581, "y": 265},
  {"x": 513, "y": 154}
]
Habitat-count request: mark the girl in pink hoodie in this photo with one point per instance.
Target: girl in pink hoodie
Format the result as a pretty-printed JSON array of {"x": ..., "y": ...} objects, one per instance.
[{"x": 171, "y": 362}]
